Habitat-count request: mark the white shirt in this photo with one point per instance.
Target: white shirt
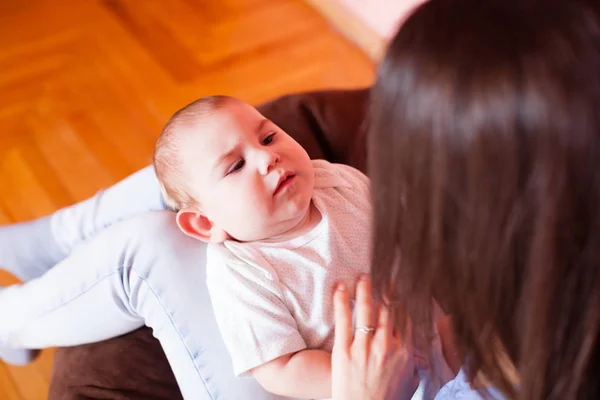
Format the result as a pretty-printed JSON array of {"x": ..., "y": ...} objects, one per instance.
[{"x": 272, "y": 299}]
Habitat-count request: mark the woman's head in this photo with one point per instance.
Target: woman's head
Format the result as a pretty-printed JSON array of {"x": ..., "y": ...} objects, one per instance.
[{"x": 484, "y": 153}]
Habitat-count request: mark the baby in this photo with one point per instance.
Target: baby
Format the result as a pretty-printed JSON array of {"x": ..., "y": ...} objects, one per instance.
[{"x": 282, "y": 231}]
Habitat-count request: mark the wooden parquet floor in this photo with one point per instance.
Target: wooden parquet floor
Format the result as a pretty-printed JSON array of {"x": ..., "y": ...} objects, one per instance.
[{"x": 85, "y": 86}]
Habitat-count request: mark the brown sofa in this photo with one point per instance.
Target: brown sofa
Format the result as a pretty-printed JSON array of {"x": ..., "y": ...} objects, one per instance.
[{"x": 329, "y": 125}]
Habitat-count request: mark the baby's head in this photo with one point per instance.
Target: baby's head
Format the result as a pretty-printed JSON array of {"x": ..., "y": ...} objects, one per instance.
[{"x": 230, "y": 173}]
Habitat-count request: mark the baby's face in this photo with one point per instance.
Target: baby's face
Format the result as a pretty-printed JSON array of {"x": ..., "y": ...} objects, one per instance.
[{"x": 251, "y": 179}]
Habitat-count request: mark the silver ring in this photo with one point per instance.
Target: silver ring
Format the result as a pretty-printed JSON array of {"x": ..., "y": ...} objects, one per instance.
[{"x": 365, "y": 329}]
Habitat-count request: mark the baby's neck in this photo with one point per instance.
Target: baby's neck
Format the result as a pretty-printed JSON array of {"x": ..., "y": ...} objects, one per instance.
[{"x": 309, "y": 220}]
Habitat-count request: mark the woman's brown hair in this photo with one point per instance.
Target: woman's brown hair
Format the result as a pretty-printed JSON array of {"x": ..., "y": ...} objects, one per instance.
[{"x": 484, "y": 154}]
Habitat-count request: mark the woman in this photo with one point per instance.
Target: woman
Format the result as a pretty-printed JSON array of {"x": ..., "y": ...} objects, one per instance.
[{"x": 484, "y": 154}]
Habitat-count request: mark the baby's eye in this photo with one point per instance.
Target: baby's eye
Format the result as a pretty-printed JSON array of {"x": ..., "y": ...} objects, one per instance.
[
  {"x": 269, "y": 139},
  {"x": 236, "y": 167}
]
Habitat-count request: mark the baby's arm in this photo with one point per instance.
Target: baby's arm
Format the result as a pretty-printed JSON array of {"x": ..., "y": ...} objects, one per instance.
[
  {"x": 304, "y": 374},
  {"x": 259, "y": 330}
]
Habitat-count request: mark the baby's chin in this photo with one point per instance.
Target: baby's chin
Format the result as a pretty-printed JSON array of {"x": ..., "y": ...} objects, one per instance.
[
  {"x": 254, "y": 234},
  {"x": 259, "y": 236},
  {"x": 274, "y": 232},
  {"x": 286, "y": 219}
]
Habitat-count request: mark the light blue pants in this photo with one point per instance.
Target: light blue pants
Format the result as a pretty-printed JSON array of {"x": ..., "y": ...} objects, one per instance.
[{"x": 119, "y": 276}]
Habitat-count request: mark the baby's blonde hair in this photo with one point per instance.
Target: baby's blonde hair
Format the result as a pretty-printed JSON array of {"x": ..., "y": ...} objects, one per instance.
[{"x": 168, "y": 165}]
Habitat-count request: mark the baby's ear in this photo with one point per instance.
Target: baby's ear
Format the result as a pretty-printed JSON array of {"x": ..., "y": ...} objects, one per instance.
[{"x": 196, "y": 225}]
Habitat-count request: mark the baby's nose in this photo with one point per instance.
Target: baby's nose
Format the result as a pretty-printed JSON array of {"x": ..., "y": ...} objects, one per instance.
[{"x": 269, "y": 161}]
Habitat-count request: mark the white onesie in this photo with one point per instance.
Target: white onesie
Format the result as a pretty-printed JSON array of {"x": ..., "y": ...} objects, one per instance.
[{"x": 272, "y": 299}]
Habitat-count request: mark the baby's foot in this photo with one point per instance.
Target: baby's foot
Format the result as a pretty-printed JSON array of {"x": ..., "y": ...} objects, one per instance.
[{"x": 18, "y": 356}]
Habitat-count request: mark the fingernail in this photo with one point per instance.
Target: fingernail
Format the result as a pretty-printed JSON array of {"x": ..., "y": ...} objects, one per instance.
[{"x": 341, "y": 286}]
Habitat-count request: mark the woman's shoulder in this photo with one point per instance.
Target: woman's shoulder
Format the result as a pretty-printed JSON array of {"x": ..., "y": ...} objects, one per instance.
[{"x": 460, "y": 389}]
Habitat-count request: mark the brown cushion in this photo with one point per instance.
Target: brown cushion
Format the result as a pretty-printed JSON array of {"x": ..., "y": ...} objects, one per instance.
[
  {"x": 328, "y": 125},
  {"x": 128, "y": 367}
]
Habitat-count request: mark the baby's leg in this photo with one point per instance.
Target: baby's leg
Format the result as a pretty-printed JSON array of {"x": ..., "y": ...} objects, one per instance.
[
  {"x": 29, "y": 249},
  {"x": 140, "y": 271}
]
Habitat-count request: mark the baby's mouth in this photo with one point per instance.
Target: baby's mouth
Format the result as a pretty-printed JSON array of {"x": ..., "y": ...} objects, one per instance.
[{"x": 285, "y": 180}]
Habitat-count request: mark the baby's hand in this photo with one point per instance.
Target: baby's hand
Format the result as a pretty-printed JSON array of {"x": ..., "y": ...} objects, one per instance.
[{"x": 371, "y": 362}]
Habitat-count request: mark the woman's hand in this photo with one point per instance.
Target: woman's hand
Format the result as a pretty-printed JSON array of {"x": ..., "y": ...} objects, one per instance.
[{"x": 367, "y": 363}]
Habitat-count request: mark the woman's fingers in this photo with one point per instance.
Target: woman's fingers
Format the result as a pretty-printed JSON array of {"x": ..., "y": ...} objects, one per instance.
[
  {"x": 364, "y": 303},
  {"x": 365, "y": 328},
  {"x": 343, "y": 318},
  {"x": 384, "y": 330},
  {"x": 370, "y": 361}
]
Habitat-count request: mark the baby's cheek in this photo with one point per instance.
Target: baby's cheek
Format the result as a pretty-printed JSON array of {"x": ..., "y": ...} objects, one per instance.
[{"x": 250, "y": 215}]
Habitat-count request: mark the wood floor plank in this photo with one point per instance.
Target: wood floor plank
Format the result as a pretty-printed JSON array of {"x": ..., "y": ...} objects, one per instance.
[
  {"x": 8, "y": 388},
  {"x": 44, "y": 364},
  {"x": 218, "y": 11},
  {"x": 102, "y": 148},
  {"x": 26, "y": 197},
  {"x": 230, "y": 41},
  {"x": 170, "y": 53},
  {"x": 268, "y": 70},
  {"x": 45, "y": 175},
  {"x": 6, "y": 278},
  {"x": 41, "y": 18},
  {"x": 77, "y": 168},
  {"x": 4, "y": 219},
  {"x": 29, "y": 381}
]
